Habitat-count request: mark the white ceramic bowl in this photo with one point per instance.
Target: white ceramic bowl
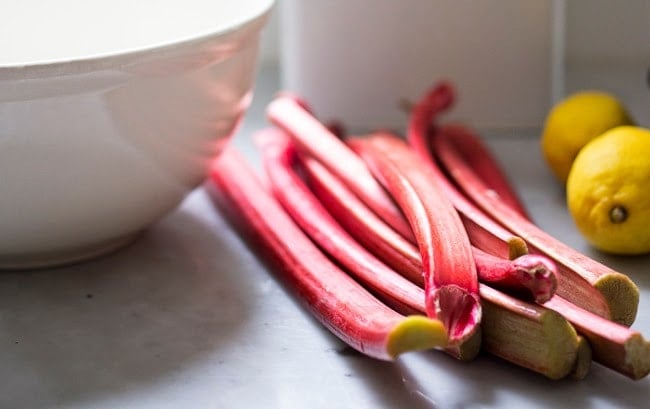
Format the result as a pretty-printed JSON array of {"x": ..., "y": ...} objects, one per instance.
[{"x": 110, "y": 112}]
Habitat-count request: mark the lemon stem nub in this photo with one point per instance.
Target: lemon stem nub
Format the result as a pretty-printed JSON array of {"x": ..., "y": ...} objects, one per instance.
[{"x": 618, "y": 214}]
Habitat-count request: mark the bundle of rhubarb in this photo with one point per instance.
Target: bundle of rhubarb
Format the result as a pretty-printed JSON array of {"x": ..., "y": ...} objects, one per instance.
[{"x": 404, "y": 243}]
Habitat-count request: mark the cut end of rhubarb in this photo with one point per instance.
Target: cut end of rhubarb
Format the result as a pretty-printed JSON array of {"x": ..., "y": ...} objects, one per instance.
[
  {"x": 538, "y": 274},
  {"x": 563, "y": 346},
  {"x": 622, "y": 295},
  {"x": 517, "y": 247},
  {"x": 637, "y": 357},
  {"x": 416, "y": 333},
  {"x": 583, "y": 360},
  {"x": 459, "y": 311}
]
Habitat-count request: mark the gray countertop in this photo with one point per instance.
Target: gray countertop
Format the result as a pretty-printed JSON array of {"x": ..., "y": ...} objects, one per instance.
[{"x": 186, "y": 317}]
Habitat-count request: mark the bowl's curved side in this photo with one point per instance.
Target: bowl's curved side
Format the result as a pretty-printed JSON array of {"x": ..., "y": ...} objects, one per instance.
[{"x": 87, "y": 161}]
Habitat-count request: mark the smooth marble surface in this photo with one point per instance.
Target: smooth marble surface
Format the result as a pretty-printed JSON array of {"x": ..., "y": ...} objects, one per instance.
[{"x": 186, "y": 317}]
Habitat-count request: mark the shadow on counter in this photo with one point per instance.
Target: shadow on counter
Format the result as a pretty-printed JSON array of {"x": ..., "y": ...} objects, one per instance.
[{"x": 102, "y": 328}]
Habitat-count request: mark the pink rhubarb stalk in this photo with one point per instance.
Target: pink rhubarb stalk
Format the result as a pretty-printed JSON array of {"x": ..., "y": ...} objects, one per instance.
[
  {"x": 531, "y": 335},
  {"x": 613, "y": 345},
  {"x": 502, "y": 339},
  {"x": 305, "y": 209},
  {"x": 450, "y": 278},
  {"x": 477, "y": 155},
  {"x": 314, "y": 138},
  {"x": 364, "y": 225},
  {"x": 582, "y": 280},
  {"x": 335, "y": 299},
  {"x": 485, "y": 233},
  {"x": 522, "y": 333},
  {"x": 530, "y": 275}
]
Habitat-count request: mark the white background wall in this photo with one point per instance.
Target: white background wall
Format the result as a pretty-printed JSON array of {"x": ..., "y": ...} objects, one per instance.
[
  {"x": 606, "y": 46},
  {"x": 606, "y": 31}
]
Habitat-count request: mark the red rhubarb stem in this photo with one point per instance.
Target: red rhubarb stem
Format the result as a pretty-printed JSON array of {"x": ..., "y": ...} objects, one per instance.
[
  {"x": 532, "y": 276},
  {"x": 481, "y": 160},
  {"x": 483, "y": 232},
  {"x": 503, "y": 338},
  {"x": 450, "y": 278},
  {"x": 364, "y": 225},
  {"x": 335, "y": 299},
  {"x": 613, "y": 345},
  {"x": 305, "y": 209},
  {"x": 583, "y": 280},
  {"x": 312, "y": 137}
]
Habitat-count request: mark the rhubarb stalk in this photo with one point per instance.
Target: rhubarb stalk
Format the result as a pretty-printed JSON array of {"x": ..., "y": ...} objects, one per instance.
[
  {"x": 314, "y": 138},
  {"x": 364, "y": 225},
  {"x": 519, "y": 346},
  {"x": 308, "y": 213},
  {"x": 620, "y": 293},
  {"x": 528, "y": 334},
  {"x": 532, "y": 276},
  {"x": 613, "y": 345},
  {"x": 484, "y": 232},
  {"x": 477, "y": 155},
  {"x": 440, "y": 98},
  {"x": 335, "y": 299},
  {"x": 450, "y": 278}
]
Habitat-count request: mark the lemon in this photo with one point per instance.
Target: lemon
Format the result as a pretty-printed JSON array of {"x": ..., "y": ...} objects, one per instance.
[
  {"x": 608, "y": 191},
  {"x": 575, "y": 121}
]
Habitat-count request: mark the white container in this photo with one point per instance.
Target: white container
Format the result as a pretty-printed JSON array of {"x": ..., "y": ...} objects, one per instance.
[
  {"x": 356, "y": 59},
  {"x": 110, "y": 113}
]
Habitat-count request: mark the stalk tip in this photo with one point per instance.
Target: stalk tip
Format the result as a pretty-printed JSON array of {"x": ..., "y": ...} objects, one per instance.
[
  {"x": 583, "y": 359},
  {"x": 621, "y": 294},
  {"x": 416, "y": 333},
  {"x": 538, "y": 274},
  {"x": 517, "y": 247},
  {"x": 637, "y": 357},
  {"x": 458, "y": 309}
]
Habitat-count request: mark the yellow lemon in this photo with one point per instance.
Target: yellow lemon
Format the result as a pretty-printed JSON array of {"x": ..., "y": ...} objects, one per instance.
[
  {"x": 608, "y": 191},
  {"x": 575, "y": 121}
]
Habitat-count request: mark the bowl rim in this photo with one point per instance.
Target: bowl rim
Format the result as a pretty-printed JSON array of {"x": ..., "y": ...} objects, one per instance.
[{"x": 55, "y": 67}]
